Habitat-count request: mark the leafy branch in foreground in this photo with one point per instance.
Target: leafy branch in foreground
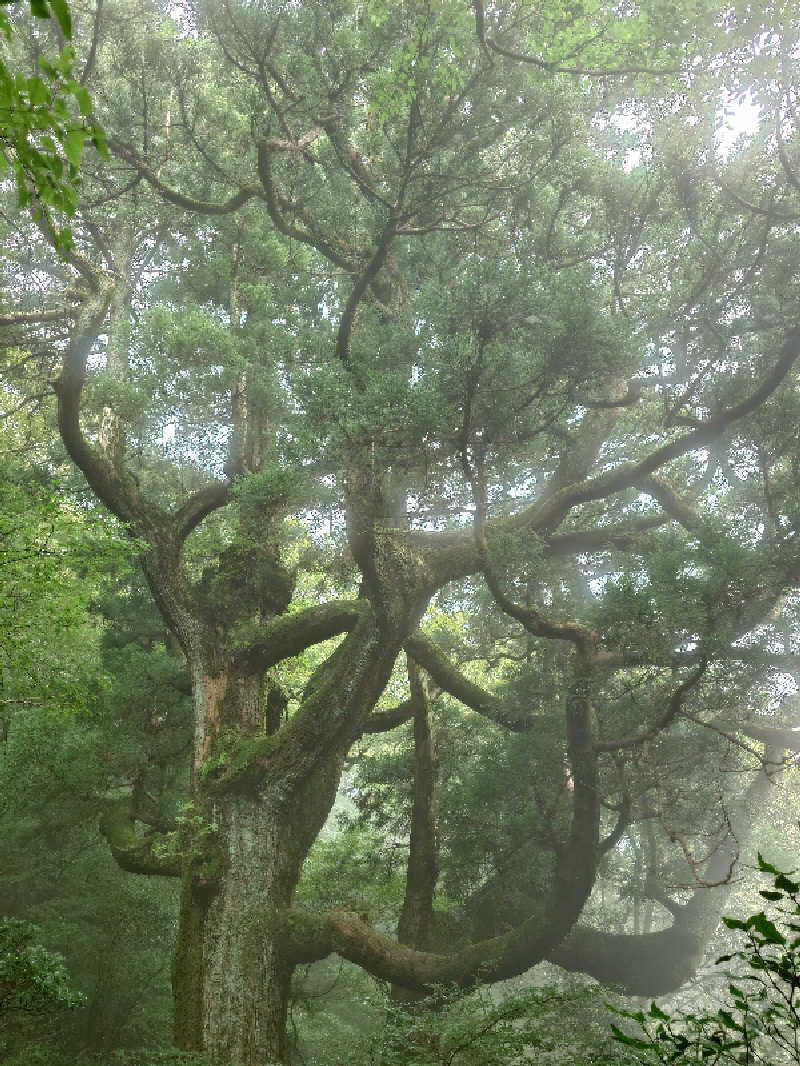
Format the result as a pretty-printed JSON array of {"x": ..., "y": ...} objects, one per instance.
[
  {"x": 760, "y": 1022},
  {"x": 41, "y": 136},
  {"x": 33, "y": 980}
]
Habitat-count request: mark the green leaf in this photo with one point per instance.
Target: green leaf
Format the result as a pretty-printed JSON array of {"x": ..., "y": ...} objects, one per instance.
[
  {"x": 656, "y": 1012},
  {"x": 735, "y": 923},
  {"x": 37, "y": 91},
  {"x": 783, "y": 882},
  {"x": 82, "y": 97},
  {"x": 73, "y": 145},
  {"x": 630, "y": 1041},
  {"x": 767, "y": 929},
  {"x": 99, "y": 142},
  {"x": 61, "y": 12},
  {"x": 728, "y": 1020},
  {"x": 40, "y": 9}
]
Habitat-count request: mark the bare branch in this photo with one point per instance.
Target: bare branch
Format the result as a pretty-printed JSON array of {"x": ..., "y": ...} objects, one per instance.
[{"x": 663, "y": 721}]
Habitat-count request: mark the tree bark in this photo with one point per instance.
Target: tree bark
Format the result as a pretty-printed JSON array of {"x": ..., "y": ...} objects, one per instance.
[
  {"x": 231, "y": 978},
  {"x": 243, "y": 845},
  {"x": 416, "y": 917}
]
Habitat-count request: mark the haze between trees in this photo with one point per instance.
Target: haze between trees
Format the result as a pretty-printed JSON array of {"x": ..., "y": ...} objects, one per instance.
[{"x": 427, "y": 411}]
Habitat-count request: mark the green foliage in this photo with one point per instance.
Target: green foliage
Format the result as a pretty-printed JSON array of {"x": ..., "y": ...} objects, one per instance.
[
  {"x": 52, "y": 558},
  {"x": 33, "y": 980},
  {"x": 45, "y": 121},
  {"x": 551, "y": 1026},
  {"x": 760, "y": 1022}
]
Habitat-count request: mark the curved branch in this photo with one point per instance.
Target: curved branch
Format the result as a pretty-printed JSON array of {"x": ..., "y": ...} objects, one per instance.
[
  {"x": 111, "y": 484},
  {"x": 500, "y": 957},
  {"x": 288, "y": 229},
  {"x": 367, "y": 276},
  {"x": 199, "y": 506},
  {"x": 189, "y": 203},
  {"x": 291, "y": 634},
  {"x": 489, "y": 44},
  {"x": 661, "y": 723},
  {"x": 458, "y": 555},
  {"x": 148, "y": 853},
  {"x": 421, "y": 648},
  {"x": 654, "y": 964}
]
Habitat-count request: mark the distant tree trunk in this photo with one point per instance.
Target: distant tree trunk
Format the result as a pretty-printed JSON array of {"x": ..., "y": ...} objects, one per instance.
[{"x": 415, "y": 925}]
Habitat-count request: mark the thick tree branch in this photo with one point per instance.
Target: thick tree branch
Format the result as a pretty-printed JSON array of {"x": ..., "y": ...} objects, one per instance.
[
  {"x": 416, "y": 917},
  {"x": 448, "y": 677},
  {"x": 383, "y": 721},
  {"x": 654, "y": 964},
  {"x": 199, "y": 506},
  {"x": 292, "y": 633},
  {"x": 110, "y": 482},
  {"x": 670, "y": 501},
  {"x": 773, "y": 736},
  {"x": 140, "y": 853},
  {"x": 173, "y": 196},
  {"x": 25, "y": 318},
  {"x": 622, "y": 823},
  {"x": 311, "y": 938},
  {"x": 600, "y": 538}
]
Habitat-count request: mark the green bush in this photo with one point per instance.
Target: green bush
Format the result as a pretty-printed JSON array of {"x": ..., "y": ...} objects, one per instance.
[
  {"x": 33, "y": 980},
  {"x": 760, "y": 1022},
  {"x": 549, "y": 1026}
]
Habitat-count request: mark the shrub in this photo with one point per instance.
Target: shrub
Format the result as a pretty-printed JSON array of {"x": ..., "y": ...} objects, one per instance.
[{"x": 760, "y": 1022}]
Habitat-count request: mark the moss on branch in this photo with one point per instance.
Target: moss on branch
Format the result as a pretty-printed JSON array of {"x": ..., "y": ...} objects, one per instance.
[{"x": 136, "y": 850}]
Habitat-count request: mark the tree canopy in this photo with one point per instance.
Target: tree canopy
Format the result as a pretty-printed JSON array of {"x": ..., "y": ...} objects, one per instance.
[{"x": 439, "y": 359}]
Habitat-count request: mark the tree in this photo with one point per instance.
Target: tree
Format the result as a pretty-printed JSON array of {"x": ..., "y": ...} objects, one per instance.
[{"x": 414, "y": 373}]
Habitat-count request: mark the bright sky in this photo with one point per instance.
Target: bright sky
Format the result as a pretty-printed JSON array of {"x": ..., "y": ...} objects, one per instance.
[{"x": 740, "y": 117}]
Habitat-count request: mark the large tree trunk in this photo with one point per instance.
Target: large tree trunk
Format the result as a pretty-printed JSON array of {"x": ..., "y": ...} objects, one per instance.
[
  {"x": 243, "y": 850},
  {"x": 231, "y": 978}
]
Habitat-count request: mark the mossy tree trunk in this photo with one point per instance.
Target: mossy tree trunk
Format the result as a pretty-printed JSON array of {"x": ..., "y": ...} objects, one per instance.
[
  {"x": 260, "y": 793},
  {"x": 232, "y": 973}
]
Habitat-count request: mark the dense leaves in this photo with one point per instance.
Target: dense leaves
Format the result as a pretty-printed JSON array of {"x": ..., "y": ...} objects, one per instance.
[
  {"x": 45, "y": 120},
  {"x": 32, "y": 979}
]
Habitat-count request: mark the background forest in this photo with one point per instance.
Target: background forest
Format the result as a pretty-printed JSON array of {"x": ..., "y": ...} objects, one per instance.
[{"x": 399, "y": 555}]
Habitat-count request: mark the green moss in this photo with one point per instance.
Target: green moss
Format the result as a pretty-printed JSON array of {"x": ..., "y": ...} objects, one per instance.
[{"x": 249, "y": 750}]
